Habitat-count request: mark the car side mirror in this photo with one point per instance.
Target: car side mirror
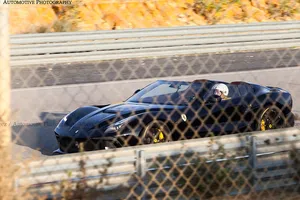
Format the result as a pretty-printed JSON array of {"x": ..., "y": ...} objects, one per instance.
[
  {"x": 137, "y": 91},
  {"x": 213, "y": 99}
]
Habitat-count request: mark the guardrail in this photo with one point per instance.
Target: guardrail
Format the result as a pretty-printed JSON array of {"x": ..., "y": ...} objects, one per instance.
[
  {"x": 30, "y": 49},
  {"x": 261, "y": 151}
]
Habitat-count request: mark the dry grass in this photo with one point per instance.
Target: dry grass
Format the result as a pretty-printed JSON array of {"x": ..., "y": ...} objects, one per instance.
[{"x": 108, "y": 15}]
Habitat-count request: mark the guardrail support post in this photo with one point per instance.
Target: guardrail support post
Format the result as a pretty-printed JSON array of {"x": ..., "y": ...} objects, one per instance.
[
  {"x": 253, "y": 161},
  {"x": 141, "y": 168},
  {"x": 141, "y": 163}
]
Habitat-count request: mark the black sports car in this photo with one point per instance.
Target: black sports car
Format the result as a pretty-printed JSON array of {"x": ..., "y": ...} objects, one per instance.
[{"x": 174, "y": 110}]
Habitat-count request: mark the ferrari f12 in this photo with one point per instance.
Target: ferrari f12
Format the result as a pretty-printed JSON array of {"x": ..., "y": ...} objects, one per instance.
[{"x": 174, "y": 110}]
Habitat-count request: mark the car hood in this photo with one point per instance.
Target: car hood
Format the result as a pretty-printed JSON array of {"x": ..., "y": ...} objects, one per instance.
[{"x": 84, "y": 119}]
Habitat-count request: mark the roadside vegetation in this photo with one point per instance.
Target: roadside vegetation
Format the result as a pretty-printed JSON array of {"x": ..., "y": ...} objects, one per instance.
[{"x": 123, "y": 14}]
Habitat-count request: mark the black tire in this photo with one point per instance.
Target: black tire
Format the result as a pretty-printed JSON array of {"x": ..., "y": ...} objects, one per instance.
[
  {"x": 290, "y": 120},
  {"x": 151, "y": 134},
  {"x": 273, "y": 118}
]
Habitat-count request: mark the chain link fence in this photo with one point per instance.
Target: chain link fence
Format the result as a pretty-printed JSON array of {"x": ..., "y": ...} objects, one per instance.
[{"x": 180, "y": 130}]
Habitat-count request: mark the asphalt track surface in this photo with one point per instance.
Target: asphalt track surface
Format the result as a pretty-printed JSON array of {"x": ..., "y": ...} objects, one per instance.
[
  {"x": 39, "y": 105},
  {"x": 143, "y": 68}
]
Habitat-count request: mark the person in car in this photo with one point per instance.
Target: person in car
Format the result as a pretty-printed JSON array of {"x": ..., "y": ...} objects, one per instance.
[{"x": 221, "y": 90}]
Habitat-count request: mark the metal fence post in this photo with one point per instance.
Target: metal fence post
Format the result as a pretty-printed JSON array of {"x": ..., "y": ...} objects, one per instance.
[
  {"x": 6, "y": 180},
  {"x": 253, "y": 161}
]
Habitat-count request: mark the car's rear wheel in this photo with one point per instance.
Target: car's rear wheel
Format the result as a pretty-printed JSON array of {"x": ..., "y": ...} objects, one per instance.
[
  {"x": 155, "y": 132},
  {"x": 273, "y": 118}
]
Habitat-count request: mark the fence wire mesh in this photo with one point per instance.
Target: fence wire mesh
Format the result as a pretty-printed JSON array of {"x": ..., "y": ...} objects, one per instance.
[
  {"x": 169, "y": 107},
  {"x": 186, "y": 127}
]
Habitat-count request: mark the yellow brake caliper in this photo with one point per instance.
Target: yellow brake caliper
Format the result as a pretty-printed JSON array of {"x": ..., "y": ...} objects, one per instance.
[
  {"x": 263, "y": 125},
  {"x": 160, "y": 137}
]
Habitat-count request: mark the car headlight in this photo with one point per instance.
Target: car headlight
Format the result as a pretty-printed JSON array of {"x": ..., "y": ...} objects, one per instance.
[{"x": 118, "y": 125}]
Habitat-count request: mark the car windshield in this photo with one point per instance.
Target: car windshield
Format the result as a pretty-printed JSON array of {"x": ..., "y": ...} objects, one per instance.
[{"x": 168, "y": 92}]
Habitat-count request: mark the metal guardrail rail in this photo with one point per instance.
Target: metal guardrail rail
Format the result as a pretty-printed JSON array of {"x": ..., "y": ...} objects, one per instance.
[
  {"x": 269, "y": 150},
  {"x": 30, "y": 49}
]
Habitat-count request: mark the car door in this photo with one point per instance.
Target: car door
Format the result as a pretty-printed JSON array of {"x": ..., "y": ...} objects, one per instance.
[
  {"x": 227, "y": 115},
  {"x": 208, "y": 115},
  {"x": 197, "y": 112},
  {"x": 212, "y": 116},
  {"x": 248, "y": 99},
  {"x": 196, "y": 119}
]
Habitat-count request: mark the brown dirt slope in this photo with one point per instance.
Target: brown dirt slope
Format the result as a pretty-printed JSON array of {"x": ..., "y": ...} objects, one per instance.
[{"x": 122, "y": 14}]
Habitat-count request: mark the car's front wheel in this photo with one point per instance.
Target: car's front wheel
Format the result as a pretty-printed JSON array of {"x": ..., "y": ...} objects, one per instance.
[{"x": 155, "y": 132}]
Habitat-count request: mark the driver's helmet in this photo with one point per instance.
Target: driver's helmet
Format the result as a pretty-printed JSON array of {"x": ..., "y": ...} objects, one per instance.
[{"x": 220, "y": 89}]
